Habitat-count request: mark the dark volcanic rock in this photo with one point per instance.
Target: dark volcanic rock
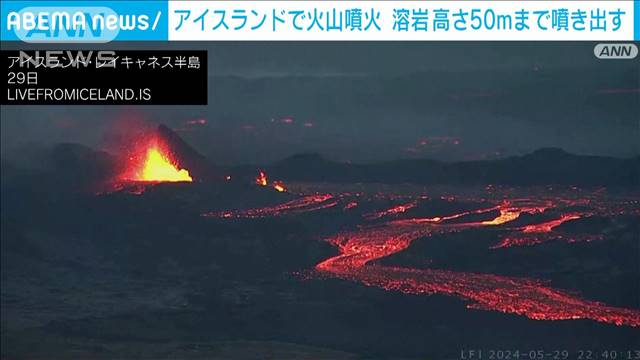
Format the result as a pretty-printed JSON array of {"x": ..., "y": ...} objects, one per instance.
[{"x": 199, "y": 167}]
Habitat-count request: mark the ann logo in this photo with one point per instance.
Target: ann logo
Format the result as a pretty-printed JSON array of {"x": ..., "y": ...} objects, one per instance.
[{"x": 615, "y": 51}]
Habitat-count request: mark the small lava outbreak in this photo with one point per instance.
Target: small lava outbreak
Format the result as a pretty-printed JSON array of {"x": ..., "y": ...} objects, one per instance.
[
  {"x": 360, "y": 248},
  {"x": 279, "y": 186},
  {"x": 263, "y": 180}
]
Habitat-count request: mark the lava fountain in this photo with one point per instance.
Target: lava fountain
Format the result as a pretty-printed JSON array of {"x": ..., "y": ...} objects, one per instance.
[
  {"x": 158, "y": 168},
  {"x": 152, "y": 161}
]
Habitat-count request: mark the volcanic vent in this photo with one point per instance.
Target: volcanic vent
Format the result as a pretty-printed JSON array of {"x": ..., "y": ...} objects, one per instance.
[{"x": 162, "y": 156}]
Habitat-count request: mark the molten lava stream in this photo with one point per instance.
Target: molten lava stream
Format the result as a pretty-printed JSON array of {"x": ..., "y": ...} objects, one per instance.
[
  {"x": 304, "y": 204},
  {"x": 525, "y": 297},
  {"x": 538, "y": 233},
  {"x": 549, "y": 225},
  {"x": 398, "y": 209}
]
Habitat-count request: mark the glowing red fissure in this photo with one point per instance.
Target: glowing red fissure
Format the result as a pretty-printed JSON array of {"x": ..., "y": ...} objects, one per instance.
[
  {"x": 525, "y": 297},
  {"x": 398, "y": 209},
  {"x": 549, "y": 225},
  {"x": 300, "y": 205}
]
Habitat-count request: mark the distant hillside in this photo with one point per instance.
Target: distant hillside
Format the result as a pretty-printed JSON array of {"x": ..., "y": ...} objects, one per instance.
[
  {"x": 545, "y": 166},
  {"x": 77, "y": 165}
]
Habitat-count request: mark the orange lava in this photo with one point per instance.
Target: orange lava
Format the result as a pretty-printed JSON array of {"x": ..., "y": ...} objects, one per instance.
[
  {"x": 360, "y": 248},
  {"x": 538, "y": 233},
  {"x": 261, "y": 179},
  {"x": 279, "y": 186},
  {"x": 525, "y": 297},
  {"x": 398, "y": 209},
  {"x": 505, "y": 216},
  {"x": 549, "y": 225},
  {"x": 301, "y": 205},
  {"x": 151, "y": 161},
  {"x": 158, "y": 168}
]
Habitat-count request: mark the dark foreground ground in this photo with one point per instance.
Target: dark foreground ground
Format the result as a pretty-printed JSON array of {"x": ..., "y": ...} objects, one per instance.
[{"x": 124, "y": 276}]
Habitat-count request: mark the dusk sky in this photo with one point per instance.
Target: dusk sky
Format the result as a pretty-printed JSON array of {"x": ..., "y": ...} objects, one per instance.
[{"x": 365, "y": 102}]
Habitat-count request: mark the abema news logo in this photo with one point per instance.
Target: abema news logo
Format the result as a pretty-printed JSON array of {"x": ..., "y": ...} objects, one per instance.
[{"x": 98, "y": 22}]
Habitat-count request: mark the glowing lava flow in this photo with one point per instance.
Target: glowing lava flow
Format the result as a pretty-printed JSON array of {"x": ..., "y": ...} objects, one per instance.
[
  {"x": 301, "y": 205},
  {"x": 261, "y": 179},
  {"x": 549, "y": 225},
  {"x": 525, "y": 297},
  {"x": 398, "y": 209},
  {"x": 505, "y": 216},
  {"x": 538, "y": 233},
  {"x": 279, "y": 186}
]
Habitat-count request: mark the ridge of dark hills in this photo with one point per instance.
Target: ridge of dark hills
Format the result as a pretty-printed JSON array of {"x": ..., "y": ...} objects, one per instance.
[{"x": 543, "y": 166}]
